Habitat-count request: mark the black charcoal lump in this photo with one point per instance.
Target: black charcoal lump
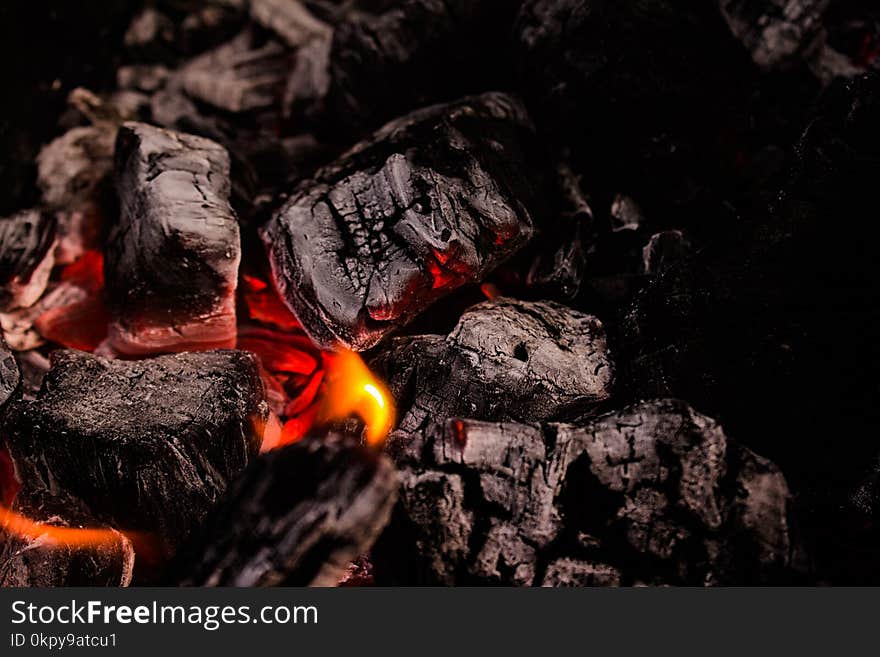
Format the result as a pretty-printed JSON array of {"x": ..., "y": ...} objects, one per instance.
[
  {"x": 652, "y": 494},
  {"x": 298, "y": 516},
  {"x": 505, "y": 360},
  {"x": 431, "y": 201},
  {"x": 27, "y": 255},
  {"x": 148, "y": 445},
  {"x": 36, "y": 559},
  {"x": 172, "y": 257}
]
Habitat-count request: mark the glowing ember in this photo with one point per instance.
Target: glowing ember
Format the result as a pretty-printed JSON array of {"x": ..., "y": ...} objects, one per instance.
[
  {"x": 19, "y": 525},
  {"x": 309, "y": 386}
]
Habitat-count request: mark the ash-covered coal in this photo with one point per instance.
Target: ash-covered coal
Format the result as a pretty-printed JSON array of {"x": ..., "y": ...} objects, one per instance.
[
  {"x": 27, "y": 255},
  {"x": 10, "y": 373},
  {"x": 172, "y": 257},
  {"x": 147, "y": 445},
  {"x": 430, "y": 202},
  {"x": 39, "y": 559},
  {"x": 244, "y": 74},
  {"x": 298, "y": 516},
  {"x": 653, "y": 494},
  {"x": 505, "y": 360}
]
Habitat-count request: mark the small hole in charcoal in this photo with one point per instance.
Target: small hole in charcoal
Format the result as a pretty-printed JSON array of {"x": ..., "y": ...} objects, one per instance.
[
  {"x": 422, "y": 205},
  {"x": 520, "y": 352},
  {"x": 446, "y": 234}
]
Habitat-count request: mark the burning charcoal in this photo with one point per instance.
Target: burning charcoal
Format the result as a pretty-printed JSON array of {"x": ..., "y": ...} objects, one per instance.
[
  {"x": 298, "y": 517},
  {"x": 244, "y": 74},
  {"x": 172, "y": 258},
  {"x": 776, "y": 33},
  {"x": 505, "y": 360},
  {"x": 651, "y": 494},
  {"x": 27, "y": 245},
  {"x": 430, "y": 202},
  {"x": 148, "y": 445},
  {"x": 44, "y": 549}
]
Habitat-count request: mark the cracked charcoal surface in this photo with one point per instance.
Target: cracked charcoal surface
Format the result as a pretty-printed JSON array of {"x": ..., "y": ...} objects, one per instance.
[
  {"x": 777, "y": 33},
  {"x": 147, "y": 445},
  {"x": 27, "y": 241},
  {"x": 10, "y": 373},
  {"x": 652, "y": 494},
  {"x": 760, "y": 328},
  {"x": 430, "y": 202},
  {"x": 298, "y": 516},
  {"x": 44, "y": 563},
  {"x": 172, "y": 258},
  {"x": 505, "y": 360}
]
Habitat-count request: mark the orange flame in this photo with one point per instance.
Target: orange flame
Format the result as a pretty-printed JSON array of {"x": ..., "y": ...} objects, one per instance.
[
  {"x": 19, "y": 525},
  {"x": 351, "y": 389}
]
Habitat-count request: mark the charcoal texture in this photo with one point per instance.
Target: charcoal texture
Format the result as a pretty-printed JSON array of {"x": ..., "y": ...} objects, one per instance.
[
  {"x": 147, "y": 445},
  {"x": 769, "y": 328},
  {"x": 27, "y": 241},
  {"x": 40, "y": 561},
  {"x": 777, "y": 33},
  {"x": 172, "y": 258},
  {"x": 431, "y": 201},
  {"x": 652, "y": 494},
  {"x": 10, "y": 373},
  {"x": 299, "y": 516},
  {"x": 244, "y": 74},
  {"x": 426, "y": 50},
  {"x": 291, "y": 20},
  {"x": 505, "y": 360}
]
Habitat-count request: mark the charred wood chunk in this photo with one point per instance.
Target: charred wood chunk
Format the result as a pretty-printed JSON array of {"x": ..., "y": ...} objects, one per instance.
[
  {"x": 172, "y": 258},
  {"x": 35, "y": 553},
  {"x": 290, "y": 20},
  {"x": 73, "y": 167},
  {"x": 727, "y": 328},
  {"x": 298, "y": 516},
  {"x": 430, "y": 202},
  {"x": 244, "y": 74},
  {"x": 652, "y": 494},
  {"x": 505, "y": 360},
  {"x": 564, "y": 245},
  {"x": 148, "y": 445},
  {"x": 425, "y": 50},
  {"x": 777, "y": 33},
  {"x": 73, "y": 173},
  {"x": 10, "y": 373},
  {"x": 27, "y": 244}
]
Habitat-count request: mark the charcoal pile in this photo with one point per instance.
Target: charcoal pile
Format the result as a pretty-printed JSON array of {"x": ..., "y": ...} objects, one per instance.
[
  {"x": 652, "y": 494},
  {"x": 404, "y": 292}
]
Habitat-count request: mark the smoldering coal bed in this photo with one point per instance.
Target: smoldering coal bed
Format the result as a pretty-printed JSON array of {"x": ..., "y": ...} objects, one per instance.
[{"x": 538, "y": 293}]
